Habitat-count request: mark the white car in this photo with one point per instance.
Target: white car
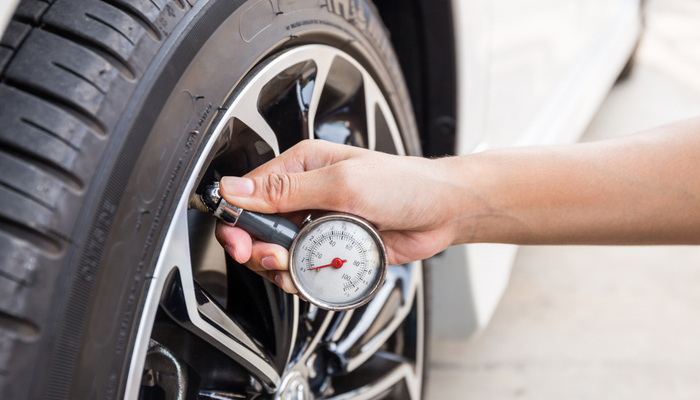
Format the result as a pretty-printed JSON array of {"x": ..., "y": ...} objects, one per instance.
[{"x": 115, "y": 112}]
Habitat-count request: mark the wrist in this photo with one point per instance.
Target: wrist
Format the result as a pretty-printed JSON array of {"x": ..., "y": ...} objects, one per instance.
[
  {"x": 458, "y": 202},
  {"x": 465, "y": 199}
]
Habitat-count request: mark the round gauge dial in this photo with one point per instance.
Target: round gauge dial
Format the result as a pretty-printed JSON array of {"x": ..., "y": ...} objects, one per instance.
[{"x": 337, "y": 262}]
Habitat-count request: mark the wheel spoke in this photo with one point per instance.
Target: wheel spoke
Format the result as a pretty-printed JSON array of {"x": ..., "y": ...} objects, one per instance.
[
  {"x": 247, "y": 112},
  {"x": 339, "y": 328},
  {"x": 315, "y": 334},
  {"x": 372, "y": 96},
  {"x": 374, "y": 324},
  {"x": 382, "y": 131},
  {"x": 395, "y": 372},
  {"x": 323, "y": 66},
  {"x": 191, "y": 307},
  {"x": 286, "y": 324},
  {"x": 222, "y": 395}
]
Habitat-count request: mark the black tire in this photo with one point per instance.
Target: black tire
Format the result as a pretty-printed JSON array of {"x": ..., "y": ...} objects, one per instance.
[{"x": 106, "y": 107}]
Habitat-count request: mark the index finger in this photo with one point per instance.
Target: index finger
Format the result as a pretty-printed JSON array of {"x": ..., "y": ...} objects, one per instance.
[{"x": 305, "y": 156}]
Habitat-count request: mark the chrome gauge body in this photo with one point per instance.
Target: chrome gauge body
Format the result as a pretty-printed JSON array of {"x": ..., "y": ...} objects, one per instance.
[{"x": 338, "y": 262}]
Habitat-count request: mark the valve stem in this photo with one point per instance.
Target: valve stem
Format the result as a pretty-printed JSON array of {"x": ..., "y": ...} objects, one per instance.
[{"x": 266, "y": 227}]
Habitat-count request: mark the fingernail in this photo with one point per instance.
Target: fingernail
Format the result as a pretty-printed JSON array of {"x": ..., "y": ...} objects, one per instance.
[
  {"x": 269, "y": 262},
  {"x": 231, "y": 251},
  {"x": 278, "y": 280},
  {"x": 237, "y": 186}
]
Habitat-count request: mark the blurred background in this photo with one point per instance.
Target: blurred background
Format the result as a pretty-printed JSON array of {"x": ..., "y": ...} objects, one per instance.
[{"x": 599, "y": 322}]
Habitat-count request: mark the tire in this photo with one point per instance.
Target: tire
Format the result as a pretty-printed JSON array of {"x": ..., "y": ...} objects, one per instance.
[{"x": 113, "y": 113}]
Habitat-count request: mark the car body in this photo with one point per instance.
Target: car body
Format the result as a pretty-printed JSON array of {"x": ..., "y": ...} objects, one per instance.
[
  {"x": 528, "y": 76},
  {"x": 480, "y": 74}
]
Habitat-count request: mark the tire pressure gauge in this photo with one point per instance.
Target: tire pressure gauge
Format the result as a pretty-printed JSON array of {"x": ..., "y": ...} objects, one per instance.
[{"x": 337, "y": 261}]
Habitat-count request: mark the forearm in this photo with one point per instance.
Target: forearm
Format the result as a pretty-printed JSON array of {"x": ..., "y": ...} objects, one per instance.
[{"x": 641, "y": 189}]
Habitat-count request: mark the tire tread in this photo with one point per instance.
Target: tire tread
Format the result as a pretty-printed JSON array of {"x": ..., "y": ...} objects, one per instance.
[
  {"x": 67, "y": 68},
  {"x": 46, "y": 138}
]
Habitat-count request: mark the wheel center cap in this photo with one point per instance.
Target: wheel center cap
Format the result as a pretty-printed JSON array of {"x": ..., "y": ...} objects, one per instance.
[{"x": 294, "y": 386}]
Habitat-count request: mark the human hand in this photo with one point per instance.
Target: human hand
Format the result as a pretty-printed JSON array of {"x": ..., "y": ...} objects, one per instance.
[{"x": 406, "y": 198}]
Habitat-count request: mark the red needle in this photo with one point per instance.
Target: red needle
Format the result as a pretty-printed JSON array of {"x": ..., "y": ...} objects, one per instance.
[{"x": 336, "y": 263}]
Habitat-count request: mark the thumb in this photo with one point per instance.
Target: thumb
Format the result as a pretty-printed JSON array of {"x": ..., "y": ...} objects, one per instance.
[{"x": 283, "y": 192}]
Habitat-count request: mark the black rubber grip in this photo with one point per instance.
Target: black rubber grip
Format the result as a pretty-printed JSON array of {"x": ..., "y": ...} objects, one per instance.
[{"x": 268, "y": 228}]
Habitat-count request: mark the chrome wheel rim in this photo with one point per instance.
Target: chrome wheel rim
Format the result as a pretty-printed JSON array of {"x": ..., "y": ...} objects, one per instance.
[{"x": 293, "y": 350}]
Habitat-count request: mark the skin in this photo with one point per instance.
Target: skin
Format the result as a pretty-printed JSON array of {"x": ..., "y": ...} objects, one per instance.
[{"x": 639, "y": 189}]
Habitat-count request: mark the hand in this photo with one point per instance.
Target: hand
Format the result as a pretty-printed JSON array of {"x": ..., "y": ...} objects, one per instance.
[
  {"x": 638, "y": 189},
  {"x": 408, "y": 199}
]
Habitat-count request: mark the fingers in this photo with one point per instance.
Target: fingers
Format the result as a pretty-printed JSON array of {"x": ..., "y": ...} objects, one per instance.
[
  {"x": 255, "y": 254},
  {"x": 282, "y": 192},
  {"x": 281, "y": 279},
  {"x": 235, "y": 241},
  {"x": 284, "y": 281},
  {"x": 266, "y": 259},
  {"x": 307, "y": 155},
  {"x": 305, "y": 177},
  {"x": 270, "y": 261}
]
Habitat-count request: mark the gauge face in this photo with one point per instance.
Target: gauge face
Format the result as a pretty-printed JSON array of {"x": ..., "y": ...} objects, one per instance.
[{"x": 337, "y": 262}]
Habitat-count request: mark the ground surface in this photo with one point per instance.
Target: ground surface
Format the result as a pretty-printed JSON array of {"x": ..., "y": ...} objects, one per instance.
[{"x": 600, "y": 322}]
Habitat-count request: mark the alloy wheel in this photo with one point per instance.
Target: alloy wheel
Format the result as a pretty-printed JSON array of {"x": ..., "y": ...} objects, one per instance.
[{"x": 212, "y": 329}]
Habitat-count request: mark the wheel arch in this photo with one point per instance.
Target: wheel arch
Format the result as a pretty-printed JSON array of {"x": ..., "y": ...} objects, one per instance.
[{"x": 422, "y": 33}]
